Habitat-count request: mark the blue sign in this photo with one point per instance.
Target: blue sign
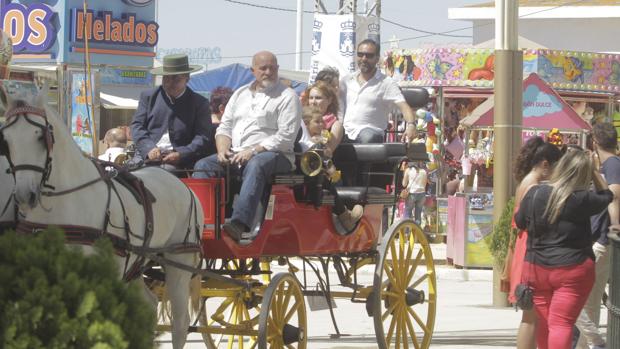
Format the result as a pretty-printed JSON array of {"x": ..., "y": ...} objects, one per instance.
[{"x": 30, "y": 27}]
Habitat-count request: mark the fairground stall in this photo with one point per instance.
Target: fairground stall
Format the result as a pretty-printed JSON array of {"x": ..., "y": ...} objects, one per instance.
[
  {"x": 95, "y": 61},
  {"x": 585, "y": 85}
]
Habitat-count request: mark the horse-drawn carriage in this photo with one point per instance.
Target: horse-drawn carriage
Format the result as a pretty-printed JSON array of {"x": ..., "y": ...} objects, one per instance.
[
  {"x": 243, "y": 305},
  {"x": 297, "y": 231}
]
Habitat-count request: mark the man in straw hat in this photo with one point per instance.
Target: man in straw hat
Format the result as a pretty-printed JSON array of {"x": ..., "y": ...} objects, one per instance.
[
  {"x": 171, "y": 125},
  {"x": 255, "y": 139}
]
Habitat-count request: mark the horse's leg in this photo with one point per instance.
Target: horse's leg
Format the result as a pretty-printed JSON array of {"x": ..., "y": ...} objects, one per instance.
[
  {"x": 148, "y": 295},
  {"x": 177, "y": 288}
]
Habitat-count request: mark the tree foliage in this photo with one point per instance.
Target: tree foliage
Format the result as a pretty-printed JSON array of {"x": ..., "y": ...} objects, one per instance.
[
  {"x": 52, "y": 296},
  {"x": 503, "y": 235}
]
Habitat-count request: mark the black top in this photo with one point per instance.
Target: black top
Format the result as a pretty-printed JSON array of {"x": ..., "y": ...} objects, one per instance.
[
  {"x": 600, "y": 223},
  {"x": 186, "y": 119},
  {"x": 568, "y": 240}
]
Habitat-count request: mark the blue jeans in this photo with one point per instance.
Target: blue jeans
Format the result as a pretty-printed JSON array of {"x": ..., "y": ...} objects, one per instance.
[
  {"x": 255, "y": 176},
  {"x": 367, "y": 135},
  {"x": 414, "y": 201}
]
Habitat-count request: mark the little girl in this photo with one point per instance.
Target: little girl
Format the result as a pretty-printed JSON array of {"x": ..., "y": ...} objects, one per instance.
[{"x": 314, "y": 135}]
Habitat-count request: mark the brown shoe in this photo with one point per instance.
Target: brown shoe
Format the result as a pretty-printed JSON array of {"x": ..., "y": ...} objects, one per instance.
[{"x": 349, "y": 218}]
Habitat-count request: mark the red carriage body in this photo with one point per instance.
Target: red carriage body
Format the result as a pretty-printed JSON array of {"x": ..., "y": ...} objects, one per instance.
[{"x": 290, "y": 228}]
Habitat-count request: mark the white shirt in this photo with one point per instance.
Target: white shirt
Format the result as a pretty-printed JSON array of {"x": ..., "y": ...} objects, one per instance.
[
  {"x": 111, "y": 154},
  {"x": 164, "y": 144},
  {"x": 417, "y": 180},
  {"x": 368, "y": 105},
  {"x": 305, "y": 142},
  {"x": 270, "y": 118}
]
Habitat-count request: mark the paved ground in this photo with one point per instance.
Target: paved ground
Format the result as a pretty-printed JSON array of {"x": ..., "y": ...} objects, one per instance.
[{"x": 465, "y": 317}]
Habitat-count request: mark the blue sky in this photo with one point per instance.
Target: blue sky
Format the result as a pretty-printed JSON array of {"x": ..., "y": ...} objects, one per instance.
[{"x": 240, "y": 30}]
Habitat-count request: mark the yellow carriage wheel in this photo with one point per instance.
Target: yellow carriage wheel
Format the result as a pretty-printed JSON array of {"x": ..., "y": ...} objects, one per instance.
[
  {"x": 231, "y": 310},
  {"x": 404, "y": 296},
  {"x": 282, "y": 321}
]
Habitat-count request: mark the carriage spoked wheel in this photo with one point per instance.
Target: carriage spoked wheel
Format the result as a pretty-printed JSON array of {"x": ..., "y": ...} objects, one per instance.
[
  {"x": 232, "y": 310},
  {"x": 404, "y": 298},
  {"x": 282, "y": 321}
]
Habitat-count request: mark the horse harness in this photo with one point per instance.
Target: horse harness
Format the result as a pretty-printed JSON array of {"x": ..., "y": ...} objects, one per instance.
[
  {"x": 86, "y": 235},
  {"x": 47, "y": 137}
]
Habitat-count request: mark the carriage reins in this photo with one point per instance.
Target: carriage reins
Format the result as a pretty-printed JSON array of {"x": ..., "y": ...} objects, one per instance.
[{"x": 87, "y": 235}]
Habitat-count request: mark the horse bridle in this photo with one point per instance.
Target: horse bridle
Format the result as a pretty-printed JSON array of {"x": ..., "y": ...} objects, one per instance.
[{"x": 47, "y": 137}]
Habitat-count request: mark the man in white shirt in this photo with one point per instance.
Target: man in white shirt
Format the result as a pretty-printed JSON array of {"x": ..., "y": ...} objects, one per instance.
[
  {"x": 367, "y": 96},
  {"x": 255, "y": 139}
]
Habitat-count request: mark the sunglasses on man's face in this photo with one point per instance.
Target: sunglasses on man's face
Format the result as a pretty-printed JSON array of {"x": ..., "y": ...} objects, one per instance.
[{"x": 369, "y": 55}]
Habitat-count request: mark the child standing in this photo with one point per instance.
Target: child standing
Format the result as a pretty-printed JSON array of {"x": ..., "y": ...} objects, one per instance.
[{"x": 314, "y": 135}]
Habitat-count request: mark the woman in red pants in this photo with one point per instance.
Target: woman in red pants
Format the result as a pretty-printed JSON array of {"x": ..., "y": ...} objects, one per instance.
[{"x": 559, "y": 262}]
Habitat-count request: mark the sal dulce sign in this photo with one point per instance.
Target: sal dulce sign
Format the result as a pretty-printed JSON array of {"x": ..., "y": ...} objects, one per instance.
[{"x": 30, "y": 27}]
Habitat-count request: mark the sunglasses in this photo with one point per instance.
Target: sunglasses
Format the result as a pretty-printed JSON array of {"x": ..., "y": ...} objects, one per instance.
[{"x": 369, "y": 55}]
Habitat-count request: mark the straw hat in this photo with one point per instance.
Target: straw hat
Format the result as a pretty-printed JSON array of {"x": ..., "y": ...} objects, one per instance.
[{"x": 174, "y": 65}]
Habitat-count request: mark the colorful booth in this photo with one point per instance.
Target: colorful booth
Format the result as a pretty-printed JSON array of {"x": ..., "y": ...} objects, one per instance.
[{"x": 572, "y": 90}]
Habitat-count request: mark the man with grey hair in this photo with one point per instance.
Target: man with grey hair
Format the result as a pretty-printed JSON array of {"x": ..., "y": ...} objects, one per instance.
[{"x": 255, "y": 139}]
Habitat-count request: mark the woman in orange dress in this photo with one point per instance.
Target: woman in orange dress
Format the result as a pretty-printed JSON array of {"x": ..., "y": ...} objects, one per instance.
[{"x": 533, "y": 166}]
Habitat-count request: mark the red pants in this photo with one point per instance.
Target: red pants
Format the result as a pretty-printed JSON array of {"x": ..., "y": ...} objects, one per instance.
[{"x": 559, "y": 295}]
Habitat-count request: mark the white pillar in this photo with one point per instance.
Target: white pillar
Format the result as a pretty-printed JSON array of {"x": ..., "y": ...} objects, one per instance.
[
  {"x": 506, "y": 25},
  {"x": 299, "y": 34}
]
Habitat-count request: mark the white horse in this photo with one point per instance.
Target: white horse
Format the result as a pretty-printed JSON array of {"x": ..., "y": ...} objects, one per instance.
[
  {"x": 55, "y": 184},
  {"x": 7, "y": 205}
]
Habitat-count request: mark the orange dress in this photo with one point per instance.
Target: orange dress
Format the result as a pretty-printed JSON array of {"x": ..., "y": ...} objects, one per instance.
[{"x": 516, "y": 267}]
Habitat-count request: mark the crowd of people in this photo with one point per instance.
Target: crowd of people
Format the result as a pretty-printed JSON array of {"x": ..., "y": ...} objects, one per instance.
[
  {"x": 565, "y": 204},
  {"x": 253, "y": 132}
]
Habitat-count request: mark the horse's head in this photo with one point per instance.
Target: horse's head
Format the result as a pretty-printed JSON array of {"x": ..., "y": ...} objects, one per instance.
[{"x": 27, "y": 138}]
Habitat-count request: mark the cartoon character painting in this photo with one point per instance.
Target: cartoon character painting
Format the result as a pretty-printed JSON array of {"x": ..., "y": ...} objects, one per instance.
[
  {"x": 438, "y": 68},
  {"x": 486, "y": 72},
  {"x": 573, "y": 69}
]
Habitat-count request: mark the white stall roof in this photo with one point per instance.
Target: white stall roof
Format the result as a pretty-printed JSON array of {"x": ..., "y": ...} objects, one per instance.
[{"x": 120, "y": 97}]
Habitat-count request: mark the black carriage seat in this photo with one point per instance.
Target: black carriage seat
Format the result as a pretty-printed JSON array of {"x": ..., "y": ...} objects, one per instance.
[{"x": 383, "y": 158}]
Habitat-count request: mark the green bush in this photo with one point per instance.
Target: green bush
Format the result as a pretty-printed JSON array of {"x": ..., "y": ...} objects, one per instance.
[
  {"x": 52, "y": 296},
  {"x": 503, "y": 235}
]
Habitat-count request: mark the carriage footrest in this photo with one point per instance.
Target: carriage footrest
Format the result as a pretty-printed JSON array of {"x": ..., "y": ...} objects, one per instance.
[{"x": 289, "y": 179}]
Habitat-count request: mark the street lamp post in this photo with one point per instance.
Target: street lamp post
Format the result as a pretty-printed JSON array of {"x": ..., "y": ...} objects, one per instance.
[
  {"x": 299, "y": 34},
  {"x": 508, "y": 112}
]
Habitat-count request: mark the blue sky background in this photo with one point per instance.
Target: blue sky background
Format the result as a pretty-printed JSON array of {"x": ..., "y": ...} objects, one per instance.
[{"x": 240, "y": 30}]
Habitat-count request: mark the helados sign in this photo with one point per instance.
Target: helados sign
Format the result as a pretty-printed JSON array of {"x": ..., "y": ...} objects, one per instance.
[{"x": 32, "y": 30}]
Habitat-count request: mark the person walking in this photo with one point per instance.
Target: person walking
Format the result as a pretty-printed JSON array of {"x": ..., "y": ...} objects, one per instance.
[
  {"x": 605, "y": 143},
  {"x": 414, "y": 179},
  {"x": 559, "y": 262},
  {"x": 532, "y": 167}
]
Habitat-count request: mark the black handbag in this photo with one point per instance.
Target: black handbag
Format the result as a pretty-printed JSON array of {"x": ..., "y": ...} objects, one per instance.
[{"x": 524, "y": 293}]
